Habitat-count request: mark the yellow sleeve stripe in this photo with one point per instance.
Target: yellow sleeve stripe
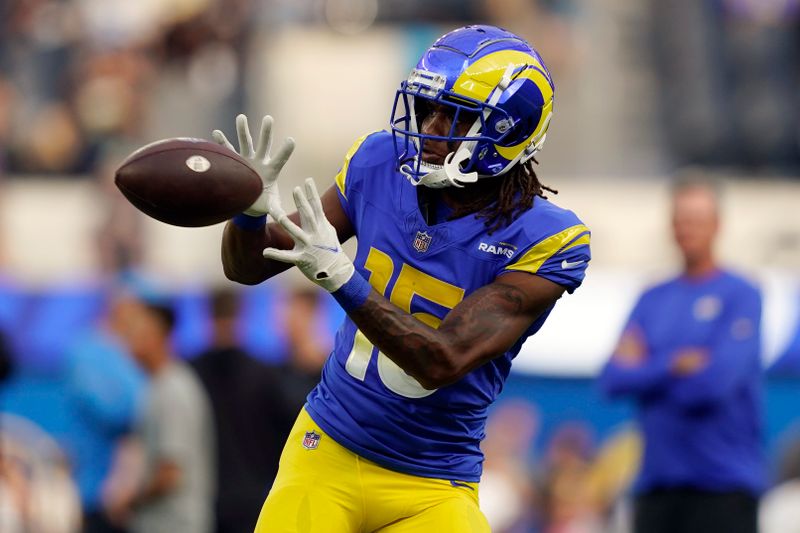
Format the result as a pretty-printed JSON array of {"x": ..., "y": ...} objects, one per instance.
[
  {"x": 341, "y": 177},
  {"x": 583, "y": 239},
  {"x": 532, "y": 260}
]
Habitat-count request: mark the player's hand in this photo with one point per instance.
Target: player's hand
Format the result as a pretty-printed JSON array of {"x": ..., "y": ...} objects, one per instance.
[
  {"x": 630, "y": 351},
  {"x": 118, "y": 507},
  {"x": 268, "y": 167},
  {"x": 689, "y": 361},
  {"x": 317, "y": 252}
]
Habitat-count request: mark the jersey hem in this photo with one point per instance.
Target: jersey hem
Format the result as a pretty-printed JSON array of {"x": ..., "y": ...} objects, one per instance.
[{"x": 382, "y": 461}]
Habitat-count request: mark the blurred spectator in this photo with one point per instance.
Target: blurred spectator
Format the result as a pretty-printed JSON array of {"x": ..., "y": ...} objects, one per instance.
[
  {"x": 567, "y": 506},
  {"x": 307, "y": 347},
  {"x": 543, "y": 23},
  {"x": 780, "y": 509},
  {"x": 80, "y": 75},
  {"x": 787, "y": 364},
  {"x": 175, "y": 491},
  {"x": 789, "y": 456},
  {"x": 6, "y": 361},
  {"x": 36, "y": 492},
  {"x": 104, "y": 388},
  {"x": 508, "y": 494},
  {"x": 120, "y": 240},
  {"x": 251, "y": 420},
  {"x": 6, "y": 104},
  {"x": 612, "y": 472},
  {"x": 730, "y": 75},
  {"x": 780, "y": 512},
  {"x": 689, "y": 357},
  {"x": 51, "y": 143}
]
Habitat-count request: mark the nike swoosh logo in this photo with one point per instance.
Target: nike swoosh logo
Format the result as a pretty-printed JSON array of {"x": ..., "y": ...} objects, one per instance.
[
  {"x": 329, "y": 248},
  {"x": 455, "y": 483},
  {"x": 566, "y": 264}
]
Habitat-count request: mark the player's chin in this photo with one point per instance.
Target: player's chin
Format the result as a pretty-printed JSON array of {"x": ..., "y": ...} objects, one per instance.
[{"x": 430, "y": 159}]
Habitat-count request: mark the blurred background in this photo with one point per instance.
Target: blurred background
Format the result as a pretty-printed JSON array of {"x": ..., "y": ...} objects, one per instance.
[{"x": 645, "y": 91}]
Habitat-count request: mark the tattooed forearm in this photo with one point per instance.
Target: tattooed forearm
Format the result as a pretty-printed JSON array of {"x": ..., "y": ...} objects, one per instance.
[
  {"x": 483, "y": 326},
  {"x": 241, "y": 254}
]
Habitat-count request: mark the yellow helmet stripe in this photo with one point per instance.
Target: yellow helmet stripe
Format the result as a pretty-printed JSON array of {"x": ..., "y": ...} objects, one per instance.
[
  {"x": 536, "y": 76},
  {"x": 479, "y": 79}
]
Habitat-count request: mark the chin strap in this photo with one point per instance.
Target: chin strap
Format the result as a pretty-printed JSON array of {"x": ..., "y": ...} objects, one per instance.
[
  {"x": 536, "y": 143},
  {"x": 449, "y": 175}
]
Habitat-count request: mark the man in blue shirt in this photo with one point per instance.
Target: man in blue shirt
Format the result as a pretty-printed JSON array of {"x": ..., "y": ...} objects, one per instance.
[
  {"x": 104, "y": 388},
  {"x": 689, "y": 357}
]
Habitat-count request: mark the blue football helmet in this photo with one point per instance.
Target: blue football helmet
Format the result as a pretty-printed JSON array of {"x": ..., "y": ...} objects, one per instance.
[{"x": 489, "y": 77}]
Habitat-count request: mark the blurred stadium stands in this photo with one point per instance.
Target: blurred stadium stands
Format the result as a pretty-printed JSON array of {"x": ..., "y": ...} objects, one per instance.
[{"x": 645, "y": 90}]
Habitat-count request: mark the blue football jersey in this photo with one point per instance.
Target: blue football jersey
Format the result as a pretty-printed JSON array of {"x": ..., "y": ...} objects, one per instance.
[{"x": 364, "y": 400}]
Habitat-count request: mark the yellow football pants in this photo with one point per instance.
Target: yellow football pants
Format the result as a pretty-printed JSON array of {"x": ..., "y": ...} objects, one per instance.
[{"x": 329, "y": 489}]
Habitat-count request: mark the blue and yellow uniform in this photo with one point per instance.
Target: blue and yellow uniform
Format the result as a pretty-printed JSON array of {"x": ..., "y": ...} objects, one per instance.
[{"x": 370, "y": 423}]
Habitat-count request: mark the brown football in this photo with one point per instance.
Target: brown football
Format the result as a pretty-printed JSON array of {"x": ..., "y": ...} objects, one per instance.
[{"x": 188, "y": 182}]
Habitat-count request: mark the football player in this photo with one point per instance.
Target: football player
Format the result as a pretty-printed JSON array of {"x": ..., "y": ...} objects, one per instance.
[{"x": 460, "y": 259}]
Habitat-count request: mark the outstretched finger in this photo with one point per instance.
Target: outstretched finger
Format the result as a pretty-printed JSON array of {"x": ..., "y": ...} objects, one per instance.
[
  {"x": 313, "y": 197},
  {"x": 293, "y": 229},
  {"x": 283, "y": 154},
  {"x": 304, "y": 208},
  {"x": 220, "y": 138},
  {"x": 285, "y": 256},
  {"x": 275, "y": 209},
  {"x": 245, "y": 140},
  {"x": 264, "y": 138}
]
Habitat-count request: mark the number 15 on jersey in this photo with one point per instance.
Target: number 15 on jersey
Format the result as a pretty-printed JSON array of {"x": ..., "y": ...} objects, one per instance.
[{"x": 410, "y": 282}]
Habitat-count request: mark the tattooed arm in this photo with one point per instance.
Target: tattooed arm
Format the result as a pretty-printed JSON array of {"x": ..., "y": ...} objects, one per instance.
[{"x": 480, "y": 328}]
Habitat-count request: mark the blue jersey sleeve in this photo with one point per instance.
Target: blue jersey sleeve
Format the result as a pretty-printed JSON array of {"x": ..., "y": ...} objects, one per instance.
[
  {"x": 561, "y": 257},
  {"x": 633, "y": 370},
  {"x": 364, "y": 155}
]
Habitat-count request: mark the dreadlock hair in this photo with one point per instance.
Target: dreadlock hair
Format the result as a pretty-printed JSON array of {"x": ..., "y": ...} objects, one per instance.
[{"x": 500, "y": 200}]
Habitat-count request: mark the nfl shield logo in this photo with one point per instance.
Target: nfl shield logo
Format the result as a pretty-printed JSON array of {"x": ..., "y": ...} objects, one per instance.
[
  {"x": 422, "y": 241},
  {"x": 311, "y": 440}
]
